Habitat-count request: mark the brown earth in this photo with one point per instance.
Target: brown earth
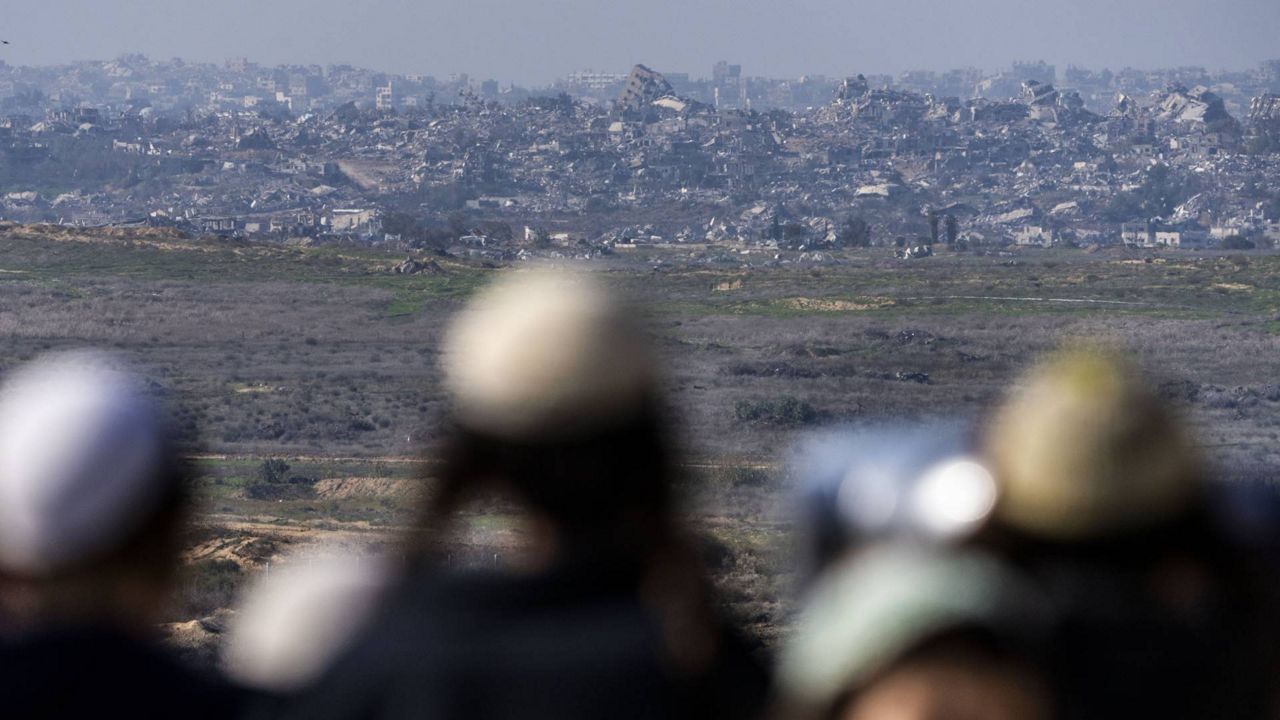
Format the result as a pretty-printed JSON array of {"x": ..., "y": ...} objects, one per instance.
[
  {"x": 372, "y": 487},
  {"x": 246, "y": 551}
]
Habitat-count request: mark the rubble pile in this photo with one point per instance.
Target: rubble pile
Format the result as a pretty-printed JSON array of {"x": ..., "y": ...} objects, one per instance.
[{"x": 602, "y": 162}]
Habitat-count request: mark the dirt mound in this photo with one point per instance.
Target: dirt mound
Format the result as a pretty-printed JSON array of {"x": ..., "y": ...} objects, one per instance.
[
  {"x": 246, "y": 551},
  {"x": 410, "y": 266},
  {"x": 100, "y": 234},
  {"x": 835, "y": 304},
  {"x": 198, "y": 641},
  {"x": 341, "y": 488},
  {"x": 142, "y": 233}
]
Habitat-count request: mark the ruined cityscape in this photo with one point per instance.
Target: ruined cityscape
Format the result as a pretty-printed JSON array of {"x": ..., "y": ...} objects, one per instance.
[
  {"x": 281, "y": 253},
  {"x": 734, "y": 167}
]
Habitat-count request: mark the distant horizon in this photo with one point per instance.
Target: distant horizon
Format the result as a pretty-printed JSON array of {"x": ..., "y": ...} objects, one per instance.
[
  {"x": 534, "y": 42},
  {"x": 694, "y": 75}
]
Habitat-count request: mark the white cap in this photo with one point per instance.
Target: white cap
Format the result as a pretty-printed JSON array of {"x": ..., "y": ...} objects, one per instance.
[
  {"x": 295, "y": 620},
  {"x": 80, "y": 453},
  {"x": 545, "y": 354}
]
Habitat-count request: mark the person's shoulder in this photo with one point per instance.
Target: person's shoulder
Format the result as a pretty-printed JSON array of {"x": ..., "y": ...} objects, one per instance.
[
  {"x": 74, "y": 673},
  {"x": 738, "y": 681}
]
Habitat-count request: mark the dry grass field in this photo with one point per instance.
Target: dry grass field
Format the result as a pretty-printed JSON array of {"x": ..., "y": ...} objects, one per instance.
[{"x": 324, "y": 359}]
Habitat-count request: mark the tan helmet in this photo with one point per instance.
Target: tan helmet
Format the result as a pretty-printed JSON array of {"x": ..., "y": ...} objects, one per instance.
[
  {"x": 1084, "y": 449},
  {"x": 545, "y": 354}
]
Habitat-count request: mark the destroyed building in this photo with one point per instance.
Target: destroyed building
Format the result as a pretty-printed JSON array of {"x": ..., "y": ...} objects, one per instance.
[
  {"x": 643, "y": 86},
  {"x": 1195, "y": 106},
  {"x": 1264, "y": 117},
  {"x": 455, "y": 164}
]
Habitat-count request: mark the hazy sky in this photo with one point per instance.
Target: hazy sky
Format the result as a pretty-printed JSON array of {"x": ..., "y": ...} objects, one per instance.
[{"x": 535, "y": 41}]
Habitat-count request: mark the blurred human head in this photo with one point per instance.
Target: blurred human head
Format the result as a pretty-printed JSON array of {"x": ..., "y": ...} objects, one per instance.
[
  {"x": 1103, "y": 501},
  {"x": 555, "y": 399},
  {"x": 1083, "y": 449},
  {"x": 294, "y": 621},
  {"x": 915, "y": 631},
  {"x": 90, "y": 493},
  {"x": 546, "y": 355}
]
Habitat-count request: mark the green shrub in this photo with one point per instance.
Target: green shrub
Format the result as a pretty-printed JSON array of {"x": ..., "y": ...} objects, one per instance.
[
  {"x": 786, "y": 411},
  {"x": 1237, "y": 242},
  {"x": 273, "y": 470},
  {"x": 275, "y": 483},
  {"x": 208, "y": 586}
]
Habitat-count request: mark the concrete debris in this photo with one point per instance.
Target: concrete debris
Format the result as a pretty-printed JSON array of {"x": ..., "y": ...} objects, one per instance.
[
  {"x": 916, "y": 377},
  {"x": 410, "y": 266},
  {"x": 729, "y": 170},
  {"x": 914, "y": 253},
  {"x": 1197, "y": 105}
]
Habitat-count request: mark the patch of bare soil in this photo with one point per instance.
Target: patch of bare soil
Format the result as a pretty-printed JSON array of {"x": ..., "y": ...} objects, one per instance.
[
  {"x": 66, "y": 232},
  {"x": 835, "y": 305},
  {"x": 246, "y": 551},
  {"x": 198, "y": 641},
  {"x": 375, "y": 487}
]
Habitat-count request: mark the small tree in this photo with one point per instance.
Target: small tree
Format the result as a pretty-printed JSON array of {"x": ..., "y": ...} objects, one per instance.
[
  {"x": 273, "y": 470},
  {"x": 953, "y": 229},
  {"x": 497, "y": 230},
  {"x": 538, "y": 237},
  {"x": 854, "y": 233},
  {"x": 786, "y": 411},
  {"x": 1237, "y": 242},
  {"x": 404, "y": 225},
  {"x": 458, "y": 225},
  {"x": 1271, "y": 208},
  {"x": 794, "y": 232}
]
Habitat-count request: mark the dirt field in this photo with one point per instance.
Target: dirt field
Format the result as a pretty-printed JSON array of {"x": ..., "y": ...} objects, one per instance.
[{"x": 325, "y": 359}]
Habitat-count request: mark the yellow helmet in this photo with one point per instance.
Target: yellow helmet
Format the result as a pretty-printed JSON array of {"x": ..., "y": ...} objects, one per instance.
[{"x": 1084, "y": 448}]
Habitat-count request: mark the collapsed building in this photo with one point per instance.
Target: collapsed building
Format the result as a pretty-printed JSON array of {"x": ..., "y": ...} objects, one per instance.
[
  {"x": 643, "y": 86},
  {"x": 1047, "y": 104},
  {"x": 1036, "y": 167},
  {"x": 1264, "y": 117},
  {"x": 1195, "y": 106}
]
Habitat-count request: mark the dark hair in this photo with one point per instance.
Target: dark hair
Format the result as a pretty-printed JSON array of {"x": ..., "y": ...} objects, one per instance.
[
  {"x": 1190, "y": 532},
  {"x": 153, "y": 542},
  {"x": 612, "y": 486},
  {"x": 610, "y": 495}
]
